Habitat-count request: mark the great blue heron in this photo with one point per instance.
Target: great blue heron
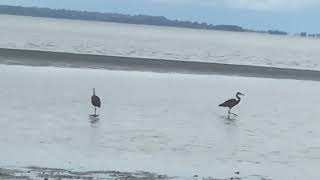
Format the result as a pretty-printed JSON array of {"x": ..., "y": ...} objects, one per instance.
[
  {"x": 95, "y": 100},
  {"x": 231, "y": 103}
]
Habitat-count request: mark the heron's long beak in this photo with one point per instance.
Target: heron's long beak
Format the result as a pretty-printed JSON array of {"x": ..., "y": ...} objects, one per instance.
[{"x": 243, "y": 94}]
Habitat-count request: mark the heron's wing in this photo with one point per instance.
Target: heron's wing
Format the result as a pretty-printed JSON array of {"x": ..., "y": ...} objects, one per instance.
[
  {"x": 228, "y": 103},
  {"x": 98, "y": 101}
]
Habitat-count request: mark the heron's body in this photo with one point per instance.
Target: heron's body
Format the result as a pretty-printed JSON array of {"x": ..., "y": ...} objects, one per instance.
[
  {"x": 95, "y": 101},
  {"x": 231, "y": 103}
]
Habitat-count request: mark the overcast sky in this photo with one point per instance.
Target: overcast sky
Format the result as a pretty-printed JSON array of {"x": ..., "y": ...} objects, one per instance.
[{"x": 288, "y": 15}]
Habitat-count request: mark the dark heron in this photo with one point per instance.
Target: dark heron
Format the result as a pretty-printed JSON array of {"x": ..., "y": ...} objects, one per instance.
[
  {"x": 95, "y": 100},
  {"x": 231, "y": 103}
]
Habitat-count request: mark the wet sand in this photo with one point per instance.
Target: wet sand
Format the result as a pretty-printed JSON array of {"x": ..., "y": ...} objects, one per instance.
[
  {"x": 40, "y": 173},
  {"x": 61, "y": 59}
]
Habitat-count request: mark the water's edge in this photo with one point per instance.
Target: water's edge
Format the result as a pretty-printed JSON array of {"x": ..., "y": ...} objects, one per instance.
[
  {"x": 63, "y": 59},
  {"x": 34, "y": 173}
]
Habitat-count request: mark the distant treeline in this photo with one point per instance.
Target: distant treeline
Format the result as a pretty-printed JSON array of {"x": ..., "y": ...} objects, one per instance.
[{"x": 121, "y": 18}]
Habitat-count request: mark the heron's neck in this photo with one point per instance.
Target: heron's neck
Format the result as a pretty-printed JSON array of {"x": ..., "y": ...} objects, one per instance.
[
  {"x": 94, "y": 92},
  {"x": 238, "y": 97}
]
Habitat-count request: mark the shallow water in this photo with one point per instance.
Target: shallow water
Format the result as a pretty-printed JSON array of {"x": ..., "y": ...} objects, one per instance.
[
  {"x": 163, "y": 123},
  {"x": 158, "y": 42}
]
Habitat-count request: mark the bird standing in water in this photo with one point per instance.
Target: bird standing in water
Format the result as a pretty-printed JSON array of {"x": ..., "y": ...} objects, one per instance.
[
  {"x": 95, "y": 100},
  {"x": 231, "y": 103}
]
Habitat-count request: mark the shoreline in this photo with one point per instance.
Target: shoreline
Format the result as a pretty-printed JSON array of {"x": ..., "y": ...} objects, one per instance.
[
  {"x": 91, "y": 61},
  {"x": 34, "y": 172}
]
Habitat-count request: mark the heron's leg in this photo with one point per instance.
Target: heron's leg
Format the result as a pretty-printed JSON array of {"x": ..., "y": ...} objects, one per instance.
[
  {"x": 234, "y": 114},
  {"x": 95, "y": 111},
  {"x": 231, "y": 112}
]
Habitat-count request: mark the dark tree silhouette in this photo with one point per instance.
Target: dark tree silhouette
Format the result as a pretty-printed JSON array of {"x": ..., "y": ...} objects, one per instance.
[{"x": 120, "y": 18}]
